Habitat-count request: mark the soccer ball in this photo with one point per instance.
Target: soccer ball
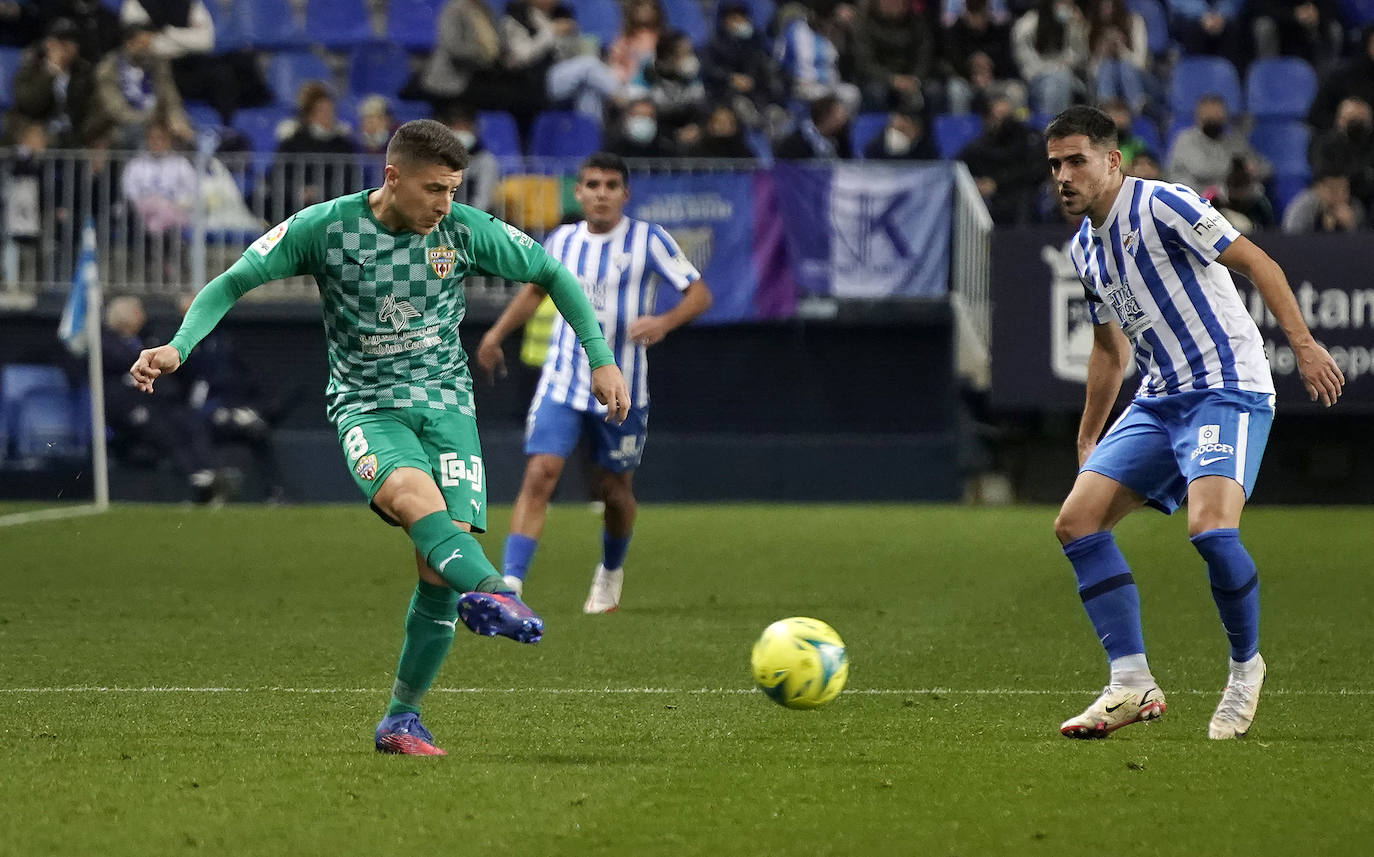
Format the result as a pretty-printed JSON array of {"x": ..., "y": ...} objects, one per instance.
[{"x": 800, "y": 662}]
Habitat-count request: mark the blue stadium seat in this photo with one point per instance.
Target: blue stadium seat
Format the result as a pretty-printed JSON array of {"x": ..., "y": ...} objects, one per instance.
[
  {"x": 863, "y": 129},
  {"x": 233, "y": 24},
  {"x": 1284, "y": 142},
  {"x": 685, "y": 15},
  {"x": 954, "y": 131},
  {"x": 411, "y": 24},
  {"x": 1195, "y": 77},
  {"x": 339, "y": 24},
  {"x": 381, "y": 69},
  {"x": 17, "y": 380},
  {"x": 1357, "y": 13},
  {"x": 203, "y": 116},
  {"x": 498, "y": 132},
  {"x": 9, "y": 64},
  {"x": 760, "y": 10},
  {"x": 273, "y": 24},
  {"x": 45, "y": 425},
  {"x": 600, "y": 18},
  {"x": 259, "y": 125},
  {"x": 286, "y": 71},
  {"x": 1284, "y": 189},
  {"x": 1280, "y": 88},
  {"x": 405, "y": 111},
  {"x": 1157, "y": 37},
  {"x": 564, "y": 134},
  {"x": 1144, "y": 128}
]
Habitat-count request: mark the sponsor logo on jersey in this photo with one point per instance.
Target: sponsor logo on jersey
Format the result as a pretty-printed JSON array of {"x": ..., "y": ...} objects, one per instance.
[
  {"x": 519, "y": 237},
  {"x": 1211, "y": 224},
  {"x": 264, "y": 244},
  {"x": 441, "y": 260},
  {"x": 366, "y": 468},
  {"x": 399, "y": 313}
]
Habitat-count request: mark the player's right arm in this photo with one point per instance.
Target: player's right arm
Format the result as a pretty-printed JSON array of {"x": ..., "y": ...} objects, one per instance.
[
  {"x": 277, "y": 254},
  {"x": 519, "y": 311},
  {"x": 1106, "y": 366}
]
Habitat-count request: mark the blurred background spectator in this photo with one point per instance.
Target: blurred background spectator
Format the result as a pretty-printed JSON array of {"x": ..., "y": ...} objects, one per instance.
[
  {"x": 1326, "y": 206},
  {"x": 483, "y": 173},
  {"x": 903, "y": 138},
  {"x": 822, "y": 135},
  {"x": 1007, "y": 161},
  {"x": 54, "y": 85},
  {"x": 134, "y": 87},
  {"x": 1348, "y": 148},
  {"x": 1203, "y": 155},
  {"x": 1050, "y": 43}
]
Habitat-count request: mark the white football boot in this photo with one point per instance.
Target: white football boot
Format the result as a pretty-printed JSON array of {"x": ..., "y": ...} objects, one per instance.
[
  {"x": 604, "y": 596},
  {"x": 1236, "y": 711},
  {"x": 1119, "y": 705},
  {"x": 513, "y": 583}
]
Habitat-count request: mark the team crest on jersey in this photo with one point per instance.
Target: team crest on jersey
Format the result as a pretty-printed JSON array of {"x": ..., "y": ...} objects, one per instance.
[
  {"x": 366, "y": 468},
  {"x": 1131, "y": 242},
  {"x": 441, "y": 260}
]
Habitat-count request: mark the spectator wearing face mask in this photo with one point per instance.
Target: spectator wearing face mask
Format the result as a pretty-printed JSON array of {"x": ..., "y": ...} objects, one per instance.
[
  {"x": 1008, "y": 163},
  {"x": 675, "y": 86},
  {"x": 823, "y": 135},
  {"x": 1202, "y": 155},
  {"x": 1326, "y": 206},
  {"x": 903, "y": 139},
  {"x": 1348, "y": 148},
  {"x": 483, "y": 172},
  {"x": 315, "y": 156},
  {"x": 738, "y": 69},
  {"x": 638, "y": 136},
  {"x": 375, "y": 125}
]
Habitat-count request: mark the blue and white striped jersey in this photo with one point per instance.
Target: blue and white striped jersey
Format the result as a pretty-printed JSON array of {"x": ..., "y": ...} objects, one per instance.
[
  {"x": 1152, "y": 267},
  {"x": 619, "y": 271}
]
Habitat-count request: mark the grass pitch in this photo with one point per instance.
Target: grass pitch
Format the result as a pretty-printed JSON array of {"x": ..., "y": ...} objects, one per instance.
[{"x": 183, "y": 681}]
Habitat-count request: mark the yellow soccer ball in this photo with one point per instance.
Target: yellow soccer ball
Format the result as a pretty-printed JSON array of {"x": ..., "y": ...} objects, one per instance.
[{"x": 800, "y": 662}]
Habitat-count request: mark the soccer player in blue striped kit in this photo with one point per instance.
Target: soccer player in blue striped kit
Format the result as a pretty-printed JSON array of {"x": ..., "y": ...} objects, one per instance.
[
  {"x": 1154, "y": 260},
  {"x": 618, "y": 261}
]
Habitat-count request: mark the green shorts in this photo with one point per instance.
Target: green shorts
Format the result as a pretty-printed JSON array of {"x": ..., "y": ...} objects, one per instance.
[{"x": 443, "y": 444}]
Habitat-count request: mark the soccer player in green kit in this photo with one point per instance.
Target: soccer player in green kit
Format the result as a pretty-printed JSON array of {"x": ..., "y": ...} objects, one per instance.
[{"x": 390, "y": 263}]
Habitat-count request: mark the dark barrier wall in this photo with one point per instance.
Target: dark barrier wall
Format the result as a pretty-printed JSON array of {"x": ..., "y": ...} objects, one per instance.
[
  {"x": 855, "y": 408},
  {"x": 1042, "y": 333}
]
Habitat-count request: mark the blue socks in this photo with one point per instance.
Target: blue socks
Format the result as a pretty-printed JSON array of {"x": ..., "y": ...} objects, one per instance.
[
  {"x": 613, "y": 550},
  {"x": 518, "y": 556},
  {"x": 1108, "y": 592},
  {"x": 1235, "y": 588}
]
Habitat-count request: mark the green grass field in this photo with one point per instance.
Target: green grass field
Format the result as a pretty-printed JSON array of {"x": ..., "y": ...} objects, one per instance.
[{"x": 182, "y": 681}]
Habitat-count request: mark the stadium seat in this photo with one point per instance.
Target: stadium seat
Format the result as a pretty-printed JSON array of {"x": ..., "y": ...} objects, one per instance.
[
  {"x": 259, "y": 125},
  {"x": 233, "y": 24},
  {"x": 9, "y": 64},
  {"x": 863, "y": 129},
  {"x": 411, "y": 24},
  {"x": 339, "y": 24},
  {"x": 600, "y": 18},
  {"x": 1144, "y": 128},
  {"x": 954, "y": 131},
  {"x": 1195, "y": 77},
  {"x": 17, "y": 380},
  {"x": 761, "y": 11},
  {"x": 286, "y": 72},
  {"x": 1280, "y": 88},
  {"x": 1357, "y": 13},
  {"x": 45, "y": 425},
  {"x": 203, "y": 116},
  {"x": 273, "y": 24},
  {"x": 685, "y": 15},
  {"x": 380, "y": 69},
  {"x": 759, "y": 145},
  {"x": 1156, "y": 24},
  {"x": 405, "y": 111},
  {"x": 1285, "y": 188},
  {"x": 1284, "y": 142},
  {"x": 564, "y": 134},
  {"x": 498, "y": 132}
]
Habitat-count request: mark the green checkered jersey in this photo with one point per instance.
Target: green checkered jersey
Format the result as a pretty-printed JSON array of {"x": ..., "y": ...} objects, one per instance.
[{"x": 392, "y": 301}]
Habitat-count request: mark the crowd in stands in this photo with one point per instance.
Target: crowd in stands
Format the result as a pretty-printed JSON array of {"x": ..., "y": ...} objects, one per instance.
[{"x": 1262, "y": 106}]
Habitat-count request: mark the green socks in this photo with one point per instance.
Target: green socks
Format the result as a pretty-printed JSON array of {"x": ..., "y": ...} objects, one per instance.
[
  {"x": 454, "y": 555},
  {"x": 430, "y": 624}
]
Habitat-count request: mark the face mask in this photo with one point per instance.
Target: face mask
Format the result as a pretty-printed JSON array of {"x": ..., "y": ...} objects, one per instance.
[
  {"x": 376, "y": 139},
  {"x": 744, "y": 30},
  {"x": 1358, "y": 130},
  {"x": 689, "y": 67},
  {"x": 1062, "y": 13},
  {"x": 641, "y": 129},
  {"x": 467, "y": 138},
  {"x": 320, "y": 132},
  {"x": 1213, "y": 129},
  {"x": 896, "y": 142}
]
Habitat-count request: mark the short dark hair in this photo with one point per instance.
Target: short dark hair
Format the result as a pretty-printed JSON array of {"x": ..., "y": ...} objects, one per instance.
[
  {"x": 1092, "y": 123},
  {"x": 425, "y": 141},
  {"x": 605, "y": 161}
]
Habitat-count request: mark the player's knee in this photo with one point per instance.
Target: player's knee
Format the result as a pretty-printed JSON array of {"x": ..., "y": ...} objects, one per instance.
[
  {"x": 1070, "y": 524},
  {"x": 541, "y": 477}
]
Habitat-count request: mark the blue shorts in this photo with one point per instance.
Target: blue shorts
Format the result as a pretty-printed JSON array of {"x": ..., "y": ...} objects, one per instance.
[
  {"x": 552, "y": 428},
  {"x": 1160, "y": 445}
]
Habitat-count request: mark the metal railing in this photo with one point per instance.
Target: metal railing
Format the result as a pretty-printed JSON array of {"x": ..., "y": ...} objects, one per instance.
[{"x": 970, "y": 274}]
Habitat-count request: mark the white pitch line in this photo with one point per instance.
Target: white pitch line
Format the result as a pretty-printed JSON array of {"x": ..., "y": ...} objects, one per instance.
[
  {"x": 659, "y": 691},
  {"x": 56, "y": 514}
]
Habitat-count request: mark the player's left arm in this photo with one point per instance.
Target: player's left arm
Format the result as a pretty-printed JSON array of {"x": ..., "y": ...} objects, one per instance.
[
  {"x": 1320, "y": 374},
  {"x": 671, "y": 265}
]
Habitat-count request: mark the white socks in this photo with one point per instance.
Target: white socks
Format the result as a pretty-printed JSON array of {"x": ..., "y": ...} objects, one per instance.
[{"x": 1131, "y": 670}]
